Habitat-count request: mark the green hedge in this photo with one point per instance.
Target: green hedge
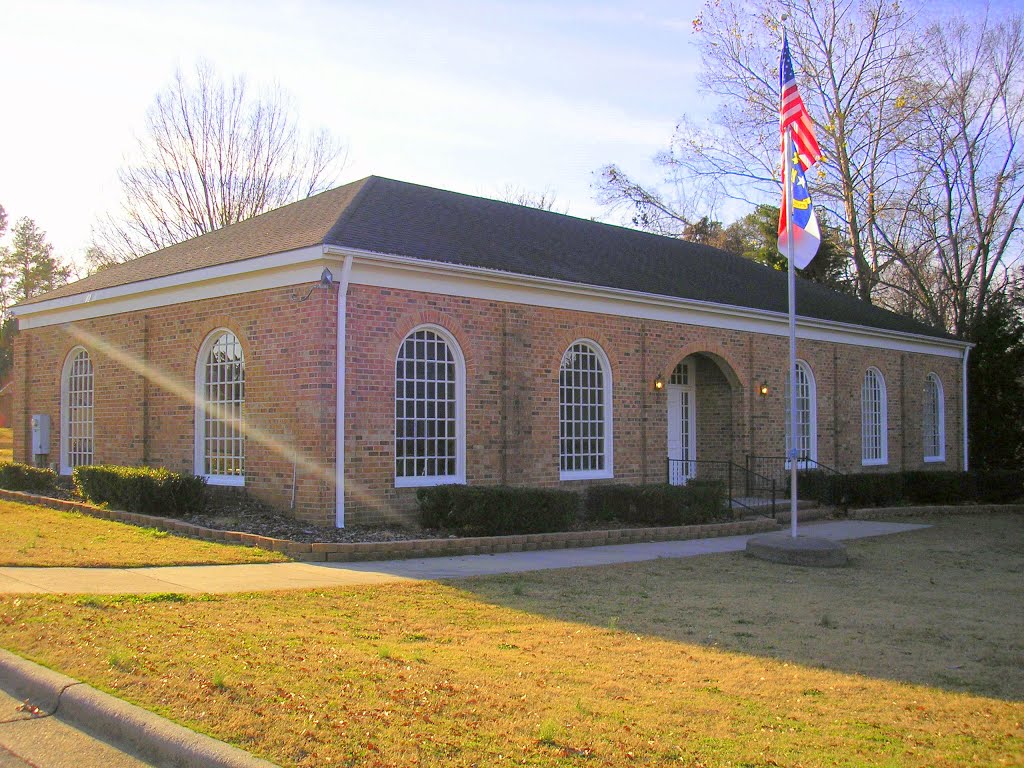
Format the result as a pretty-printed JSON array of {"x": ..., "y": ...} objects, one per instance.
[
  {"x": 874, "y": 489},
  {"x": 496, "y": 510},
  {"x": 998, "y": 486},
  {"x": 143, "y": 490},
  {"x": 22, "y": 477},
  {"x": 699, "y": 501}
]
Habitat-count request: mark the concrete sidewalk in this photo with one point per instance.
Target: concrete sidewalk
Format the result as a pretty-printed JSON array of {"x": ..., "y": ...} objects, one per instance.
[{"x": 275, "y": 576}]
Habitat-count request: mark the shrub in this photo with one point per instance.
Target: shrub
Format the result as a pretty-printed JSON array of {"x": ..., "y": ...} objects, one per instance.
[
  {"x": 22, "y": 477},
  {"x": 496, "y": 510},
  {"x": 434, "y": 502},
  {"x": 699, "y": 501},
  {"x": 940, "y": 487},
  {"x": 912, "y": 487},
  {"x": 998, "y": 486},
  {"x": 819, "y": 485},
  {"x": 142, "y": 490}
]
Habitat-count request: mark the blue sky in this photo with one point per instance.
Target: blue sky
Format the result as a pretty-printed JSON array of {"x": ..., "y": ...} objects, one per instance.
[{"x": 469, "y": 96}]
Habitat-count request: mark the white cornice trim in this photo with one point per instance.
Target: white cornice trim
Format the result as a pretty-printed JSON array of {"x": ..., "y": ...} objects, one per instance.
[
  {"x": 392, "y": 271},
  {"x": 304, "y": 265}
]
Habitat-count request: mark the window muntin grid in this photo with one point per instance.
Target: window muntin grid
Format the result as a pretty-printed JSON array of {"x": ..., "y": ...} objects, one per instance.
[
  {"x": 874, "y": 437},
  {"x": 933, "y": 422},
  {"x": 584, "y": 413},
  {"x": 806, "y": 412},
  {"x": 680, "y": 375},
  {"x": 78, "y": 416},
  {"x": 221, "y": 403},
  {"x": 428, "y": 389}
]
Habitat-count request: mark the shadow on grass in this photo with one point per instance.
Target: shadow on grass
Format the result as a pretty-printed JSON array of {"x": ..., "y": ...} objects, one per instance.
[{"x": 942, "y": 607}]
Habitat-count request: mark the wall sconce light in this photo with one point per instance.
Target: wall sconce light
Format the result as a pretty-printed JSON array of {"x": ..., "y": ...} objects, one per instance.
[
  {"x": 762, "y": 389},
  {"x": 659, "y": 383}
]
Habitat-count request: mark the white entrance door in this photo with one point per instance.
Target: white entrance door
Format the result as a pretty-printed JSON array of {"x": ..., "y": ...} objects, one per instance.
[{"x": 682, "y": 434}]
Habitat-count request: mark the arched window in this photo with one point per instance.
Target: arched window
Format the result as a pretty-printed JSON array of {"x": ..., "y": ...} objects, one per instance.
[
  {"x": 430, "y": 386},
  {"x": 806, "y": 415},
  {"x": 933, "y": 419},
  {"x": 874, "y": 419},
  {"x": 76, "y": 411},
  {"x": 220, "y": 403},
  {"x": 585, "y": 413}
]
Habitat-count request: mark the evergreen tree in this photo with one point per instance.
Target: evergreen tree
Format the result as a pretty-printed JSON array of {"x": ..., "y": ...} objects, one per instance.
[
  {"x": 28, "y": 267},
  {"x": 996, "y": 385},
  {"x": 755, "y": 237}
]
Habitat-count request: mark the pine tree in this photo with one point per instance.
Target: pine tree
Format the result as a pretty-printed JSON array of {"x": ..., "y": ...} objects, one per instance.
[{"x": 28, "y": 267}]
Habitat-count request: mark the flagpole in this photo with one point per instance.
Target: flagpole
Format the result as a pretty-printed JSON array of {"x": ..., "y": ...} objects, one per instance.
[{"x": 787, "y": 167}]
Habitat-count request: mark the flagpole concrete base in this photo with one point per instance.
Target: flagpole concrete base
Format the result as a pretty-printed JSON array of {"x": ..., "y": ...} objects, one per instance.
[{"x": 802, "y": 550}]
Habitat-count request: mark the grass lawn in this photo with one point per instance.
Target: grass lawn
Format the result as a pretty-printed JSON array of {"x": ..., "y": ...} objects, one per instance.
[
  {"x": 31, "y": 535},
  {"x": 6, "y": 444},
  {"x": 713, "y": 661}
]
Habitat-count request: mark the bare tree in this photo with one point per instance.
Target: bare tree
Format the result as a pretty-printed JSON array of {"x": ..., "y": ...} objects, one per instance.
[
  {"x": 212, "y": 155},
  {"x": 858, "y": 60},
  {"x": 963, "y": 236},
  {"x": 545, "y": 200}
]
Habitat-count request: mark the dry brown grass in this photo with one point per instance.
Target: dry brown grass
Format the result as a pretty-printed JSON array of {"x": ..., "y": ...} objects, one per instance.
[
  {"x": 37, "y": 536},
  {"x": 6, "y": 444},
  {"x": 942, "y": 606},
  {"x": 624, "y": 665}
]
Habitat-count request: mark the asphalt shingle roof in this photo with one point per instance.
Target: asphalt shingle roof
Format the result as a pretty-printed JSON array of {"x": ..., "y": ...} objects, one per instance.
[{"x": 393, "y": 217}]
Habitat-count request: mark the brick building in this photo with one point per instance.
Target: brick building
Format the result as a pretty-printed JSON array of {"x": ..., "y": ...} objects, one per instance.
[{"x": 483, "y": 342}]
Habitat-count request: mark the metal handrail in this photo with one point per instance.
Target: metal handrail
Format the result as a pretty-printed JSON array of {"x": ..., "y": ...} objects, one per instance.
[
  {"x": 729, "y": 469},
  {"x": 782, "y": 462}
]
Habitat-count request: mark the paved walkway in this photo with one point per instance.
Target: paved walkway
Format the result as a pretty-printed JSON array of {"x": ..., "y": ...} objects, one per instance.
[{"x": 274, "y": 576}]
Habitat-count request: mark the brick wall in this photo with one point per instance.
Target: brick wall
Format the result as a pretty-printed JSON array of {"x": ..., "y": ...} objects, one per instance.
[
  {"x": 512, "y": 358},
  {"x": 145, "y": 371},
  {"x": 144, "y": 367}
]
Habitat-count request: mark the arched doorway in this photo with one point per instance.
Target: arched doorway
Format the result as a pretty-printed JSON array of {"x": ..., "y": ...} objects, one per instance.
[{"x": 703, "y": 404}]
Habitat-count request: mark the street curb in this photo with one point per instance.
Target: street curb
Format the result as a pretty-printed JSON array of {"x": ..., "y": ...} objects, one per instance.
[{"x": 125, "y": 726}]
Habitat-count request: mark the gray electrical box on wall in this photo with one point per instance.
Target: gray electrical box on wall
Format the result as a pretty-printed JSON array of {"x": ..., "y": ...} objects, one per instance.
[{"x": 40, "y": 436}]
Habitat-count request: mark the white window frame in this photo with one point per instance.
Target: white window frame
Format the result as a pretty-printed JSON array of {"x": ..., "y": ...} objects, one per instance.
[
  {"x": 200, "y": 412},
  {"x": 878, "y": 417},
  {"x": 812, "y": 415},
  {"x": 606, "y": 393},
  {"x": 933, "y": 387},
  {"x": 460, "y": 413},
  {"x": 69, "y": 430}
]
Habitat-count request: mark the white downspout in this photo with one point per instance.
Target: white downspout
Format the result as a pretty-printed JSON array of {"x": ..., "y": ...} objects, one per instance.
[
  {"x": 963, "y": 400},
  {"x": 339, "y": 428}
]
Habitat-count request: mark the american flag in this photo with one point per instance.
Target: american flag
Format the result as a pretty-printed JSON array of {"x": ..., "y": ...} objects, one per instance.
[{"x": 793, "y": 113}]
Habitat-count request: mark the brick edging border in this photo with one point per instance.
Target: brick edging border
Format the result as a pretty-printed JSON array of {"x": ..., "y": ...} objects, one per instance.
[
  {"x": 397, "y": 550},
  {"x": 875, "y": 513}
]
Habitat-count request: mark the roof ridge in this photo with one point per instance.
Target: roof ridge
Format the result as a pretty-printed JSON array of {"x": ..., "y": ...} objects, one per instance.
[{"x": 366, "y": 184}]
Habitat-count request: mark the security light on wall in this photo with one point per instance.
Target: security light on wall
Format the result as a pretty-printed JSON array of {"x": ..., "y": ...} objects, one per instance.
[
  {"x": 659, "y": 383},
  {"x": 762, "y": 389},
  {"x": 326, "y": 281}
]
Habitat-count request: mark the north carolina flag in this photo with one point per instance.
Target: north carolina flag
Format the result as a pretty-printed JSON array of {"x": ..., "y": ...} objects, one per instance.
[
  {"x": 793, "y": 117},
  {"x": 806, "y": 236}
]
